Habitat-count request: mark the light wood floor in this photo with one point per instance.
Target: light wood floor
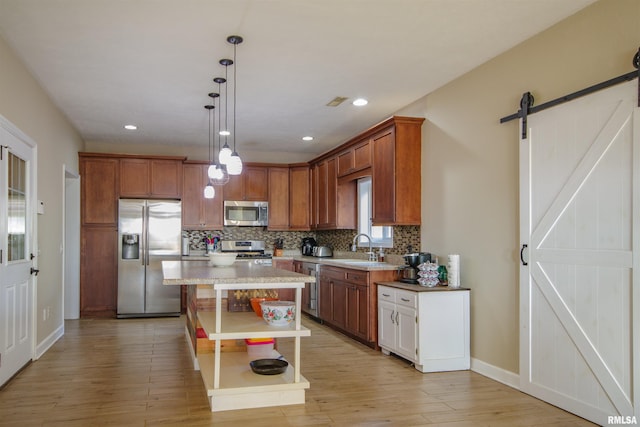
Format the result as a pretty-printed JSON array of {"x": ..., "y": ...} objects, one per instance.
[{"x": 137, "y": 372}]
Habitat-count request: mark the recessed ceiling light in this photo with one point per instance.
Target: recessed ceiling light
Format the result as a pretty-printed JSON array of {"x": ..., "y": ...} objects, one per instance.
[
  {"x": 360, "y": 102},
  {"x": 130, "y": 127},
  {"x": 307, "y": 138}
]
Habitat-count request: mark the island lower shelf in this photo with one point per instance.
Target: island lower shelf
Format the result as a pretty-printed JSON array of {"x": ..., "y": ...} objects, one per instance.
[
  {"x": 246, "y": 325},
  {"x": 241, "y": 388}
]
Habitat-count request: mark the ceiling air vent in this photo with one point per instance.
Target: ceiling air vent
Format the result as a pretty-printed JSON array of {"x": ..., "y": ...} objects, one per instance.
[{"x": 337, "y": 101}]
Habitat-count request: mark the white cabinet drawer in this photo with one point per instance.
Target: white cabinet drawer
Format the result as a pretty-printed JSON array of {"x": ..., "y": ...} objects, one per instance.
[
  {"x": 406, "y": 298},
  {"x": 386, "y": 294},
  {"x": 398, "y": 296}
]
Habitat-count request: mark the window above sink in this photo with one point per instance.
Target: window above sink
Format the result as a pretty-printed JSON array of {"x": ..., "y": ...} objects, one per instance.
[{"x": 381, "y": 236}]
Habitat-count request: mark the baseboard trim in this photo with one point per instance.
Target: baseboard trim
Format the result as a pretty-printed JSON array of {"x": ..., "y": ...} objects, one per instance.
[
  {"x": 42, "y": 347},
  {"x": 498, "y": 374}
]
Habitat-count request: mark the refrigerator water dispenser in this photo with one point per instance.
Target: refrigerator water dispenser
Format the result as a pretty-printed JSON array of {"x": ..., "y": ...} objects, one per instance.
[{"x": 130, "y": 246}]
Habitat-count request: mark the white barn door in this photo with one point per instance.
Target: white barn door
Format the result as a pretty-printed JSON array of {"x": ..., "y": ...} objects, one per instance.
[{"x": 580, "y": 220}]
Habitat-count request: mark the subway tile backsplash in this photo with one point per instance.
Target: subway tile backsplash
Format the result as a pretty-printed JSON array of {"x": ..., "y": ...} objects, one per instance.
[{"x": 339, "y": 240}]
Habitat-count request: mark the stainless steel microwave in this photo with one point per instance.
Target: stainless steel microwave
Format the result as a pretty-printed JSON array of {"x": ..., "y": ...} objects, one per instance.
[{"x": 249, "y": 214}]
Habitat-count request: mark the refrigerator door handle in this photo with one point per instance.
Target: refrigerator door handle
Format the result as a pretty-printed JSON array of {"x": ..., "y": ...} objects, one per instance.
[{"x": 144, "y": 236}]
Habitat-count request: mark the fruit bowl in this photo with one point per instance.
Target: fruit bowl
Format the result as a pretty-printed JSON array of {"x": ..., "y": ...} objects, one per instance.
[
  {"x": 278, "y": 313},
  {"x": 221, "y": 259},
  {"x": 255, "y": 304}
]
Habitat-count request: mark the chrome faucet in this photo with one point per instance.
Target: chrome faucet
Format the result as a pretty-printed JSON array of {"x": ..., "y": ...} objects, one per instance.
[{"x": 354, "y": 246}]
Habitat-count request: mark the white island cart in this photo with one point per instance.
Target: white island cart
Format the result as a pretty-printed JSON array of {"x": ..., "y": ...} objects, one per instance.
[{"x": 228, "y": 378}]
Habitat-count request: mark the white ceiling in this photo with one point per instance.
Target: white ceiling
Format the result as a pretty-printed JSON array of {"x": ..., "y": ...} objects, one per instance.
[{"x": 107, "y": 63}]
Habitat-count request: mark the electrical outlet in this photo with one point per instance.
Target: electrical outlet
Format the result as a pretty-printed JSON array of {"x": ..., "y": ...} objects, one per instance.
[{"x": 44, "y": 314}]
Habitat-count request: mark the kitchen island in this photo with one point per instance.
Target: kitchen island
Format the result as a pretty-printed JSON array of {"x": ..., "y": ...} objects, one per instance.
[{"x": 228, "y": 378}]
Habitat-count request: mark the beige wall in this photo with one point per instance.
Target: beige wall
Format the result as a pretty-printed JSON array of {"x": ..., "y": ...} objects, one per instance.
[
  {"x": 470, "y": 160},
  {"x": 27, "y": 106}
]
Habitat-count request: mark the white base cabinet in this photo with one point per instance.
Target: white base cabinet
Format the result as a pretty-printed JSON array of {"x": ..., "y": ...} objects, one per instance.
[{"x": 429, "y": 326}]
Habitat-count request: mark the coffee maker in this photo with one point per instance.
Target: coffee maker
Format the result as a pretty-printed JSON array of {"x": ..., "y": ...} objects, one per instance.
[
  {"x": 308, "y": 243},
  {"x": 409, "y": 272}
]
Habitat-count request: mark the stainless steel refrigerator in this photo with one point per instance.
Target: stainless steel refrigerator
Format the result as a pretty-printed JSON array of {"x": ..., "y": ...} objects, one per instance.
[{"x": 149, "y": 232}]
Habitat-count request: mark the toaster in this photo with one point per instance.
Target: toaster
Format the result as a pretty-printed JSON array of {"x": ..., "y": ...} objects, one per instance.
[{"x": 322, "y": 251}]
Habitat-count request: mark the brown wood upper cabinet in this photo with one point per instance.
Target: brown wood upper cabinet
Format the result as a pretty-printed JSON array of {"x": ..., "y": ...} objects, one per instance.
[
  {"x": 299, "y": 198},
  {"x": 198, "y": 212},
  {"x": 278, "y": 198},
  {"x": 334, "y": 204},
  {"x": 151, "y": 177},
  {"x": 99, "y": 184},
  {"x": 252, "y": 184},
  {"x": 356, "y": 158},
  {"x": 396, "y": 173},
  {"x": 289, "y": 201}
]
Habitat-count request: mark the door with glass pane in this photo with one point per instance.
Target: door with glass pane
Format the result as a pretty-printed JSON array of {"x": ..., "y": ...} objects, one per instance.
[{"x": 16, "y": 284}]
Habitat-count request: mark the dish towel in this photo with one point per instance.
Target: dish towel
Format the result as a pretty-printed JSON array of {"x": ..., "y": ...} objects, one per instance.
[{"x": 454, "y": 271}]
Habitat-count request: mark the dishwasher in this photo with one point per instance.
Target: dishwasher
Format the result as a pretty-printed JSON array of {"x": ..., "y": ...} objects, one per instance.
[{"x": 310, "y": 300}]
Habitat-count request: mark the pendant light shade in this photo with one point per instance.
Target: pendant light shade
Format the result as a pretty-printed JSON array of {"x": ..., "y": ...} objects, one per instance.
[
  {"x": 213, "y": 172},
  {"x": 235, "y": 164},
  {"x": 209, "y": 191},
  {"x": 225, "y": 154}
]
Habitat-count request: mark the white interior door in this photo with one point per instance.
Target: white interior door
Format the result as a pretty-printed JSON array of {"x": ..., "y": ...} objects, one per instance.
[
  {"x": 16, "y": 246},
  {"x": 579, "y": 297}
]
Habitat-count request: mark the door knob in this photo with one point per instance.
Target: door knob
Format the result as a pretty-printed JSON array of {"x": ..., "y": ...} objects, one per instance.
[{"x": 34, "y": 271}]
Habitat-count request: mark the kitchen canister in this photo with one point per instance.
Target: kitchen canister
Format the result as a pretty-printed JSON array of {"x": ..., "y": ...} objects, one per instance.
[{"x": 453, "y": 271}]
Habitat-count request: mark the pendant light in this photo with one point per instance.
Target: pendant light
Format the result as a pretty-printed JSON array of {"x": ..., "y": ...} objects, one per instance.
[
  {"x": 209, "y": 191},
  {"x": 234, "y": 166},
  {"x": 225, "y": 152},
  {"x": 218, "y": 171}
]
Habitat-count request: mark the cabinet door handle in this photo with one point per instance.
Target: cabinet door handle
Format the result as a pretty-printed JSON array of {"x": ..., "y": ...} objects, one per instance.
[
  {"x": 392, "y": 316},
  {"x": 397, "y": 321},
  {"x": 405, "y": 299},
  {"x": 386, "y": 295}
]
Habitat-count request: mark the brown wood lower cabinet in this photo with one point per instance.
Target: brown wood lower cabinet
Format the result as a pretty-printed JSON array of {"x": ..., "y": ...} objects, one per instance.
[
  {"x": 283, "y": 264},
  {"x": 98, "y": 272},
  {"x": 348, "y": 301}
]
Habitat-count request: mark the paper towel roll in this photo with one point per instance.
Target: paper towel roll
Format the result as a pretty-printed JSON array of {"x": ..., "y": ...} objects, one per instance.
[
  {"x": 454, "y": 270},
  {"x": 185, "y": 245}
]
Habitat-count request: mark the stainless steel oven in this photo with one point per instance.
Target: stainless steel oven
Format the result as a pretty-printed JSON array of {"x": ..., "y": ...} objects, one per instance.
[
  {"x": 310, "y": 303},
  {"x": 251, "y": 250}
]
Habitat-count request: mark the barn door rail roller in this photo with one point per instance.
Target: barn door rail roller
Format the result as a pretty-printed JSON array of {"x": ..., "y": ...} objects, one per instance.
[{"x": 526, "y": 102}]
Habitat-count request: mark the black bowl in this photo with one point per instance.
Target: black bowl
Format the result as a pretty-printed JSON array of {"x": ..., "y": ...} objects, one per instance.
[{"x": 268, "y": 366}]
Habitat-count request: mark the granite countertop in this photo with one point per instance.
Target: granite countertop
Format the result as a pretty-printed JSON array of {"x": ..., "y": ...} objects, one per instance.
[
  {"x": 343, "y": 261},
  {"x": 201, "y": 273},
  {"x": 418, "y": 288},
  {"x": 346, "y": 262}
]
